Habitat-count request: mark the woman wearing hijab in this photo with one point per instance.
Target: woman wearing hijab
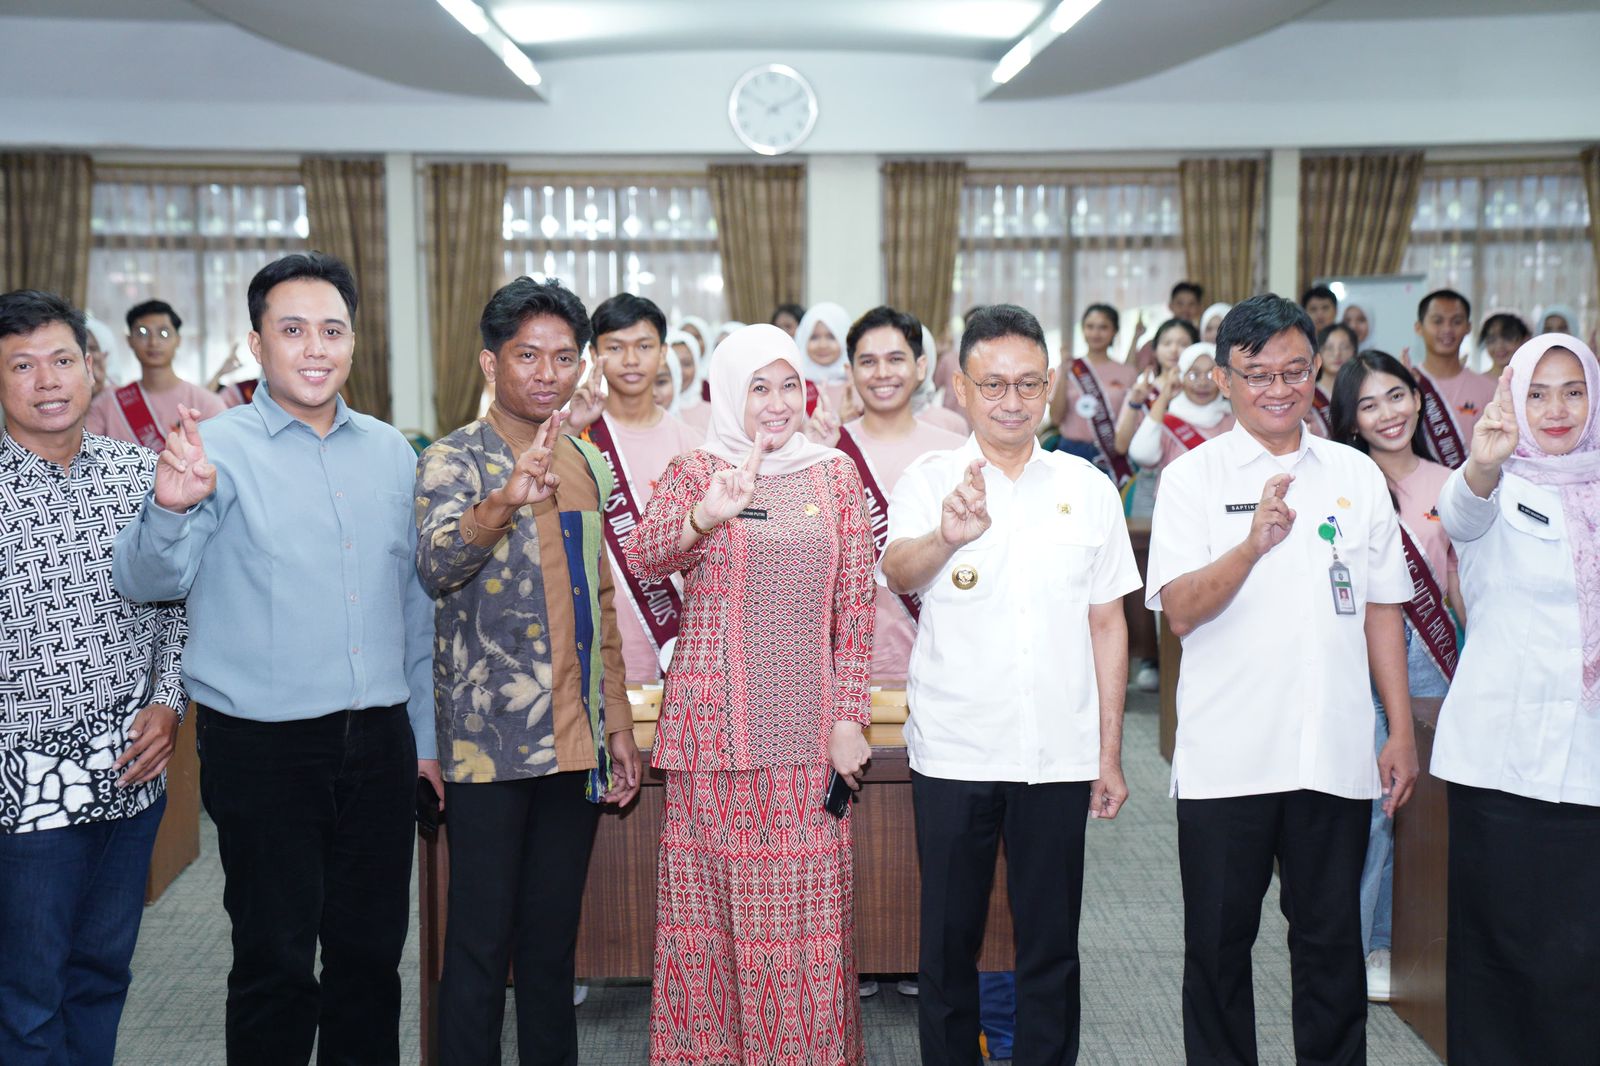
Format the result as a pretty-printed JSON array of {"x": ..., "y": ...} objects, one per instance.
[
  {"x": 102, "y": 342},
  {"x": 1190, "y": 409},
  {"x": 1502, "y": 334},
  {"x": 766, "y": 694},
  {"x": 927, "y": 403},
  {"x": 689, "y": 374},
  {"x": 821, "y": 339},
  {"x": 1359, "y": 319},
  {"x": 1172, "y": 337},
  {"x": 1559, "y": 318},
  {"x": 1211, "y": 321},
  {"x": 700, "y": 330},
  {"x": 1519, "y": 734}
]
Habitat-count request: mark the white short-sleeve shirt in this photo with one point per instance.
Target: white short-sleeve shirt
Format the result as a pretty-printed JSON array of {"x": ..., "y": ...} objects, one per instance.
[
  {"x": 1001, "y": 684},
  {"x": 1273, "y": 693}
]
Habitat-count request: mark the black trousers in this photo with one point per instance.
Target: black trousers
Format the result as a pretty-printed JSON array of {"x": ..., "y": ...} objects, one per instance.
[
  {"x": 1522, "y": 965},
  {"x": 959, "y": 827},
  {"x": 1226, "y": 848},
  {"x": 315, "y": 822},
  {"x": 519, "y": 857}
]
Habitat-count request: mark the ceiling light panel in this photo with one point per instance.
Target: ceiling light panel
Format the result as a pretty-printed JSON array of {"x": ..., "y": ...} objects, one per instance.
[{"x": 476, "y": 21}]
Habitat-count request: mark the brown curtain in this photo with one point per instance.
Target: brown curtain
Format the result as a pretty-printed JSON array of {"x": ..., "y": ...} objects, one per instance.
[
  {"x": 761, "y": 232},
  {"x": 921, "y": 231},
  {"x": 1591, "y": 181},
  {"x": 45, "y": 202},
  {"x": 345, "y": 211},
  {"x": 1355, "y": 213},
  {"x": 465, "y": 202},
  {"x": 1222, "y": 216}
]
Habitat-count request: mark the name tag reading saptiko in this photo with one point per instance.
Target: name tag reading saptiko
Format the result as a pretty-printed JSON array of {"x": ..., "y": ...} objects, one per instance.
[{"x": 964, "y": 577}]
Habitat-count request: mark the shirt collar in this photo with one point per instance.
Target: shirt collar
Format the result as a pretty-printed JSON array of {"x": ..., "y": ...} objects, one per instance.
[
  {"x": 1246, "y": 449},
  {"x": 276, "y": 419},
  {"x": 15, "y": 459},
  {"x": 970, "y": 451}
]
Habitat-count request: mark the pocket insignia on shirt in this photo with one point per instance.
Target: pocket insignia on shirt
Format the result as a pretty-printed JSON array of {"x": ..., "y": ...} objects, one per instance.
[
  {"x": 812, "y": 510},
  {"x": 964, "y": 577},
  {"x": 1064, "y": 508},
  {"x": 1343, "y": 502}
]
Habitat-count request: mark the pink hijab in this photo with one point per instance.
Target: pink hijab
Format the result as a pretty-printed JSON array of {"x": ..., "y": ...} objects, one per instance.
[
  {"x": 733, "y": 363},
  {"x": 1576, "y": 475}
]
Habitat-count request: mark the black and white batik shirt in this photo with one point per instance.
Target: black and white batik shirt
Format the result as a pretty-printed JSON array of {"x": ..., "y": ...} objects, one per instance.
[{"x": 77, "y": 660}]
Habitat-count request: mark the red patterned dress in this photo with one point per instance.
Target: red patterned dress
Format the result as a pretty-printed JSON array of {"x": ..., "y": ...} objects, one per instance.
[{"x": 754, "y": 959}]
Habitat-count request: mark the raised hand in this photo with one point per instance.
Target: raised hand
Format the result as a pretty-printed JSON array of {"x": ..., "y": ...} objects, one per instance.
[
  {"x": 964, "y": 517},
  {"x": 731, "y": 490},
  {"x": 183, "y": 475},
  {"x": 1274, "y": 517},
  {"x": 532, "y": 480},
  {"x": 852, "y": 408},
  {"x": 1495, "y": 436},
  {"x": 589, "y": 399},
  {"x": 823, "y": 426}
]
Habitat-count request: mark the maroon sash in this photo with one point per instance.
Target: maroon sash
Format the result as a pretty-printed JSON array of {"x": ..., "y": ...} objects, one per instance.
[
  {"x": 1187, "y": 435},
  {"x": 658, "y": 604},
  {"x": 1319, "y": 407},
  {"x": 877, "y": 510},
  {"x": 1426, "y": 609},
  {"x": 1439, "y": 430},
  {"x": 1105, "y": 432},
  {"x": 136, "y": 410}
]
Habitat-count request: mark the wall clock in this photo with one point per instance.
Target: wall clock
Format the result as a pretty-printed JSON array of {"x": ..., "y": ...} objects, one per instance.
[{"x": 772, "y": 109}]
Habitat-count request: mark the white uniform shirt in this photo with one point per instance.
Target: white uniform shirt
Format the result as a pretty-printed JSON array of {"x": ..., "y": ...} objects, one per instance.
[
  {"x": 1001, "y": 684},
  {"x": 1273, "y": 694},
  {"x": 1514, "y": 718}
]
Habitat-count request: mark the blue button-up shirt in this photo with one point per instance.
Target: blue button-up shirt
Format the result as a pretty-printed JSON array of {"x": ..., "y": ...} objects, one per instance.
[{"x": 303, "y": 596}]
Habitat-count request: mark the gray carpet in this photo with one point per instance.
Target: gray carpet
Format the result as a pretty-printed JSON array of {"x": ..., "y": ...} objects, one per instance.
[{"x": 1132, "y": 948}]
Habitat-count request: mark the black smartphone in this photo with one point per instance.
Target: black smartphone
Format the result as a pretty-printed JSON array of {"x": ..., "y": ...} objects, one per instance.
[
  {"x": 428, "y": 814},
  {"x": 839, "y": 795}
]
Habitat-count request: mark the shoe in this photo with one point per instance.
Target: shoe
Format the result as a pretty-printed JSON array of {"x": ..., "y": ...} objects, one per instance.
[
  {"x": 580, "y": 992},
  {"x": 1148, "y": 679},
  {"x": 907, "y": 988},
  {"x": 868, "y": 989},
  {"x": 1378, "y": 975}
]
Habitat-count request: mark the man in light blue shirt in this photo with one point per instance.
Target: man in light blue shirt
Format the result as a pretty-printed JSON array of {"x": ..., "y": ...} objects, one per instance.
[{"x": 288, "y": 524}]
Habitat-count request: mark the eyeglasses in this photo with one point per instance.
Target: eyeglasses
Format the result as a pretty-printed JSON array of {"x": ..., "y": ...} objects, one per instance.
[
  {"x": 145, "y": 333},
  {"x": 1264, "y": 380},
  {"x": 1197, "y": 375},
  {"x": 1029, "y": 388}
]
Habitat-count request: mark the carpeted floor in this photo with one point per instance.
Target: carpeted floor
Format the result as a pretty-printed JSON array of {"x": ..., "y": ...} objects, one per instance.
[{"x": 1131, "y": 940}]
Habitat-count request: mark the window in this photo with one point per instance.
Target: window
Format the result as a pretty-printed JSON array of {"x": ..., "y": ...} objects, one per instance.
[
  {"x": 651, "y": 235},
  {"x": 1057, "y": 241},
  {"x": 1507, "y": 235},
  {"x": 193, "y": 238}
]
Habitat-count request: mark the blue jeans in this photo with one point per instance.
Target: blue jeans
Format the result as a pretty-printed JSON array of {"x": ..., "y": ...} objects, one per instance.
[
  {"x": 1377, "y": 875},
  {"x": 70, "y": 904}
]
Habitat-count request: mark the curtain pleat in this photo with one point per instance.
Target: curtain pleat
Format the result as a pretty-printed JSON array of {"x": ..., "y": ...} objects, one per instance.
[
  {"x": 1356, "y": 212},
  {"x": 921, "y": 232},
  {"x": 345, "y": 211},
  {"x": 1222, "y": 214},
  {"x": 465, "y": 203},
  {"x": 1591, "y": 181},
  {"x": 761, "y": 226},
  {"x": 45, "y": 201}
]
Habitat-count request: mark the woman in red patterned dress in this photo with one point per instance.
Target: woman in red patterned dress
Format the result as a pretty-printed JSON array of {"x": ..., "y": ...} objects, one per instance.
[{"x": 766, "y": 691}]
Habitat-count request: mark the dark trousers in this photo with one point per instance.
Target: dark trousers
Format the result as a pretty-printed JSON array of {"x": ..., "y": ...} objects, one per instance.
[
  {"x": 519, "y": 857},
  {"x": 1226, "y": 848},
  {"x": 315, "y": 822},
  {"x": 70, "y": 903},
  {"x": 959, "y": 827},
  {"x": 1522, "y": 966}
]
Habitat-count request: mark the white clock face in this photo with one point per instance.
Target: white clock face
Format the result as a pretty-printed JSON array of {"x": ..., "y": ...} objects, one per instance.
[{"x": 772, "y": 109}]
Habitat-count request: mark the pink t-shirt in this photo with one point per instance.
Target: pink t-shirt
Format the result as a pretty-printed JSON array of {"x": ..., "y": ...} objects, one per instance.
[
  {"x": 942, "y": 417},
  {"x": 1418, "y": 493},
  {"x": 697, "y": 418},
  {"x": 895, "y": 631},
  {"x": 106, "y": 417},
  {"x": 646, "y": 453},
  {"x": 1172, "y": 447},
  {"x": 1115, "y": 378},
  {"x": 1468, "y": 393}
]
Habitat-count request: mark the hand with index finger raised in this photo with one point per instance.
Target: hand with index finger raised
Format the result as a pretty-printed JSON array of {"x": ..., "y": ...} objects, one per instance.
[
  {"x": 1495, "y": 436},
  {"x": 730, "y": 491},
  {"x": 1273, "y": 518},
  {"x": 184, "y": 476},
  {"x": 964, "y": 515}
]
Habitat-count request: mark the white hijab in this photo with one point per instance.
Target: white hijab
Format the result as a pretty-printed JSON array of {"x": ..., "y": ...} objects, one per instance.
[
  {"x": 1565, "y": 312},
  {"x": 684, "y": 395},
  {"x": 1200, "y": 416},
  {"x": 927, "y": 393},
  {"x": 837, "y": 319},
  {"x": 733, "y": 364},
  {"x": 1214, "y": 311}
]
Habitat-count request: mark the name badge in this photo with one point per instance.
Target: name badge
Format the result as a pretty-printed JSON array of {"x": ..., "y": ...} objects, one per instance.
[
  {"x": 1344, "y": 593},
  {"x": 757, "y": 513},
  {"x": 1535, "y": 515},
  {"x": 1239, "y": 508}
]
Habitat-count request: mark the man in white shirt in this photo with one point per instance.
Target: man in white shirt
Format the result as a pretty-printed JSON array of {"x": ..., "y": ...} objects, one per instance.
[
  {"x": 1016, "y": 683},
  {"x": 1276, "y": 555}
]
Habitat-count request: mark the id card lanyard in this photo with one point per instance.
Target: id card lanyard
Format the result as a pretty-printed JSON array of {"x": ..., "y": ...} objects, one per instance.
[{"x": 1344, "y": 592}]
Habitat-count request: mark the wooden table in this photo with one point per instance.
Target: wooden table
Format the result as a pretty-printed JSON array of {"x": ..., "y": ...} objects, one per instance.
[
  {"x": 1141, "y": 619},
  {"x": 178, "y": 839},
  {"x": 1421, "y": 892},
  {"x": 616, "y": 936}
]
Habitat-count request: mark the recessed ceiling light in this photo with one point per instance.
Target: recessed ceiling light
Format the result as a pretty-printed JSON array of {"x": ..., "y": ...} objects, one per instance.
[{"x": 476, "y": 21}]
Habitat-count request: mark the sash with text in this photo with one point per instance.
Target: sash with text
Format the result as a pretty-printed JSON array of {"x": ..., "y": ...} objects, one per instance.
[
  {"x": 658, "y": 604},
  {"x": 877, "y": 510},
  {"x": 135, "y": 407},
  {"x": 1105, "y": 432}
]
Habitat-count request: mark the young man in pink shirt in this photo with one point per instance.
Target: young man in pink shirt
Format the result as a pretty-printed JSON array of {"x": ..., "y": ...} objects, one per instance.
[
  {"x": 1453, "y": 397},
  {"x": 145, "y": 411},
  {"x": 638, "y": 438}
]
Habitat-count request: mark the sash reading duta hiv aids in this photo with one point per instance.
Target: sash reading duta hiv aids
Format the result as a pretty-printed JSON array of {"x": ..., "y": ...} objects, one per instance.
[
  {"x": 1105, "y": 433},
  {"x": 1187, "y": 435},
  {"x": 136, "y": 410},
  {"x": 1439, "y": 430},
  {"x": 1426, "y": 610},
  {"x": 658, "y": 604},
  {"x": 1320, "y": 405},
  {"x": 877, "y": 510}
]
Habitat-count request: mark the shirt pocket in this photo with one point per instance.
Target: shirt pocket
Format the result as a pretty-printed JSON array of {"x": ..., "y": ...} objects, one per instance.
[
  {"x": 1068, "y": 551},
  {"x": 397, "y": 517}
]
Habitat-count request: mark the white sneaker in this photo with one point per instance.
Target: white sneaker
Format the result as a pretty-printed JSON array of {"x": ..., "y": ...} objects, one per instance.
[
  {"x": 1378, "y": 975},
  {"x": 580, "y": 992},
  {"x": 1148, "y": 679},
  {"x": 868, "y": 989},
  {"x": 907, "y": 988}
]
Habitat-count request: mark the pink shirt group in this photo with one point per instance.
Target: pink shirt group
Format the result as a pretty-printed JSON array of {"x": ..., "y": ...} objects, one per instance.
[
  {"x": 1418, "y": 493},
  {"x": 106, "y": 417},
  {"x": 1467, "y": 394},
  {"x": 1115, "y": 379}
]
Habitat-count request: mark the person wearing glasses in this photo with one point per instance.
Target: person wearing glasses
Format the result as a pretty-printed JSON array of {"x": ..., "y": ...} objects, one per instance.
[
  {"x": 1188, "y": 411},
  {"x": 1019, "y": 556},
  {"x": 145, "y": 411},
  {"x": 1277, "y": 557}
]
